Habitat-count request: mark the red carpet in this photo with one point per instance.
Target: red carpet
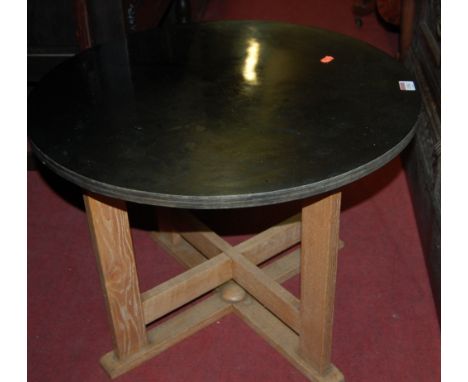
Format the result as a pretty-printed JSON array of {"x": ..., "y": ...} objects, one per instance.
[{"x": 386, "y": 328}]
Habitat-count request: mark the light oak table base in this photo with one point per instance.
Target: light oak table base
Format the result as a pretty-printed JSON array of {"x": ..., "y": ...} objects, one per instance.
[{"x": 300, "y": 329}]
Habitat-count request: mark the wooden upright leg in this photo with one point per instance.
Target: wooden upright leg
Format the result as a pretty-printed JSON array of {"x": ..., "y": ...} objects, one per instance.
[
  {"x": 166, "y": 225},
  {"x": 320, "y": 241},
  {"x": 110, "y": 233}
]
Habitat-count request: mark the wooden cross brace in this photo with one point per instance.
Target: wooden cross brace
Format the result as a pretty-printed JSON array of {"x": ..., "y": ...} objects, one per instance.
[{"x": 299, "y": 329}]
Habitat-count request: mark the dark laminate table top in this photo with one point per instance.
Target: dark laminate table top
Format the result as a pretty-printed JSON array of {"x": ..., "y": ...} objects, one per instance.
[{"x": 222, "y": 114}]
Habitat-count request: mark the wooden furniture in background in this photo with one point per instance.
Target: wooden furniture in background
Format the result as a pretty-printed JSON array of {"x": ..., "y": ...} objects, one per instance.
[
  {"x": 406, "y": 27},
  {"x": 397, "y": 14},
  {"x": 424, "y": 155},
  {"x": 59, "y": 30},
  {"x": 83, "y": 29},
  {"x": 101, "y": 21}
]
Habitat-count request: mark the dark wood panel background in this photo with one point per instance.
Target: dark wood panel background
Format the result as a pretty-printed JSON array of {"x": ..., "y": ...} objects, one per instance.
[
  {"x": 424, "y": 155},
  {"x": 58, "y": 29},
  {"x": 51, "y": 26}
]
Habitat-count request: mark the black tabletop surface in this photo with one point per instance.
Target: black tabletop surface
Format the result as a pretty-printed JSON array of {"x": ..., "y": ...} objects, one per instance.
[{"x": 222, "y": 114}]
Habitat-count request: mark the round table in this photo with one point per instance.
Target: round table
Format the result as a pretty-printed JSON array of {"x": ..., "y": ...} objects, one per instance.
[{"x": 222, "y": 115}]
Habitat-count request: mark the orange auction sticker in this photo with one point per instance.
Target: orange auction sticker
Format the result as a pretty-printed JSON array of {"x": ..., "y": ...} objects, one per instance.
[{"x": 327, "y": 59}]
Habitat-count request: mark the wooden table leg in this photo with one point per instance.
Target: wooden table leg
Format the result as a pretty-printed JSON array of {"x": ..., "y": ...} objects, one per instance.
[
  {"x": 300, "y": 330},
  {"x": 320, "y": 242},
  {"x": 110, "y": 233},
  {"x": 165, "y": 225}
]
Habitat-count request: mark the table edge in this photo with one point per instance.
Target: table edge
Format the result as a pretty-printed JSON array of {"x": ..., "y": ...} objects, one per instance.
[{"x": 226, "y": 201}]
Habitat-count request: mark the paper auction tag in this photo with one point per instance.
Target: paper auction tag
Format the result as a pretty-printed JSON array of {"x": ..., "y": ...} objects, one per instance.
[{"x": 407, "y": 86}]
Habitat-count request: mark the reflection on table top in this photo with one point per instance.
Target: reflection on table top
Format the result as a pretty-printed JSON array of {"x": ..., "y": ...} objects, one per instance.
[{"x": 222, "y": 114}]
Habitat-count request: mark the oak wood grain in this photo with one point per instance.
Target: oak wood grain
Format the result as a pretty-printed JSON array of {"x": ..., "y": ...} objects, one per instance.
[
  {"x": 272, "y": 241},
  {"x": 257, "y": 249},
  {"x": 280, "y": 270},
  {"x": 182, "y": 251},
  {"x": 320, "y": 242},
  {"x": 169, "y": 333},
  {"x": 285, "y": 267},
  {"x": 185, "y": 287},
  {"x": 166, "y": 224},
  {"x": 274, "y": 296},
  {"x": 282, "y": 338},
  {"x": 110, "y": 234}
]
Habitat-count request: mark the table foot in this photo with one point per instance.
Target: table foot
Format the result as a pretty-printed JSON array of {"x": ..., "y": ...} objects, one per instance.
[
  {"x": 169, "y": 333},
  {"x": 282, "y": 338}
]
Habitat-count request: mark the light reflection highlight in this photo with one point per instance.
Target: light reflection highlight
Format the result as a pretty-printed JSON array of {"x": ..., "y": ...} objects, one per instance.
[{"x": 250, "y": 63}]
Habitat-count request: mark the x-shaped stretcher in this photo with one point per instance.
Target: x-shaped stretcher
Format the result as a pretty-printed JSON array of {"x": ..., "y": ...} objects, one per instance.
[{"x": 300, "y": 329}]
